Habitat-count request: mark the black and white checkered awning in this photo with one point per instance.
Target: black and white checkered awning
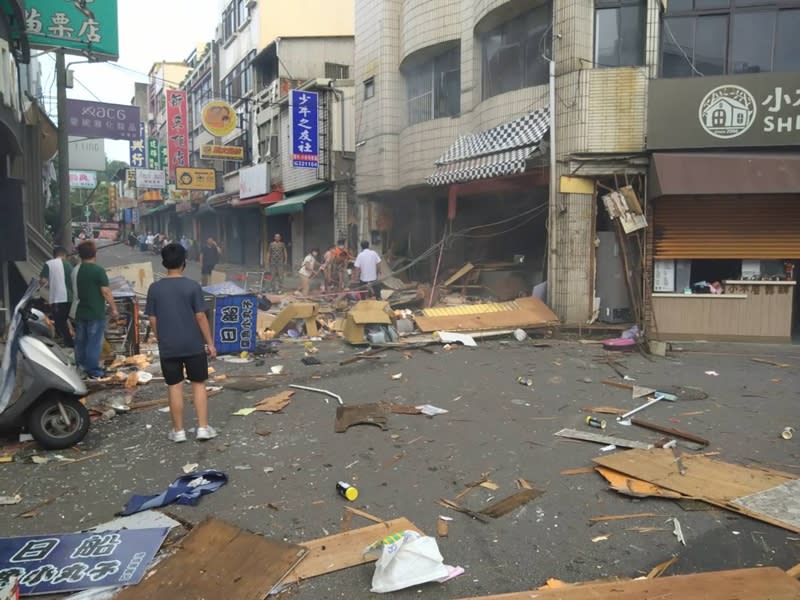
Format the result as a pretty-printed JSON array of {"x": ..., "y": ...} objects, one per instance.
[{"x": 496, "y": 152}]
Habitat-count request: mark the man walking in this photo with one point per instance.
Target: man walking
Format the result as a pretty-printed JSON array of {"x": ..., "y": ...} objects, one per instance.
[
  {"x": 209, "y": 258},
  {"x": 90, "y": 292},
  {"x": 278, "y": 259},
  {"x": 177, "y": 313},
  {"x": 366, "y": 269},
  {"x": 57, "y": 275}
]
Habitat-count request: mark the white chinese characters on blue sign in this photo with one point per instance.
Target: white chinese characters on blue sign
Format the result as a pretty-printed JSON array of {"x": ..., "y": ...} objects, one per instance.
[{"x": 305, "y": 129}]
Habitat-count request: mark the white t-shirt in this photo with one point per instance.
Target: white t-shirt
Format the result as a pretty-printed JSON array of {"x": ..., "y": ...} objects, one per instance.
[
  {"x": 367, "y": 261},
  {"x": 309, "y": 262}
]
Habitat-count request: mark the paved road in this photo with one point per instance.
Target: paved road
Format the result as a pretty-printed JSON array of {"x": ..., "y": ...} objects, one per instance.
[{"x": 494, "y": 426}]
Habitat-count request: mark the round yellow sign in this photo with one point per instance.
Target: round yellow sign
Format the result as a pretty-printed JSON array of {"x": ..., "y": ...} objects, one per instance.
[{"x": 218, "y": 118}]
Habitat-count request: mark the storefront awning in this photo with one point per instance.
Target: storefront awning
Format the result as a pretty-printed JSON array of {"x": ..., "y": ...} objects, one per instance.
[
  {"x": 720, "y": 174},
  {"x": 293, "y": 203},
  {"x": 497, "y": 152},
  {"x": 222, "y": 199},
  {"x": 156, "y": 209},
  {"x": 265, "y": 200}
]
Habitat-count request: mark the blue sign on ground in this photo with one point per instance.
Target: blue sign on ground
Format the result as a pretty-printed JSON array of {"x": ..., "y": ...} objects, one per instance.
[
  {"x": 235, "y": 324},
  {"x": 52, "y": 564},
  {"x": 305, "y": 129}
]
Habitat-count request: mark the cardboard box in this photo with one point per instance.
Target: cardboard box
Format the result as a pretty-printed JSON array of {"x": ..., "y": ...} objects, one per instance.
[
  {"x": 366, "y": 312},
  {"x": 307, "y": 311}
]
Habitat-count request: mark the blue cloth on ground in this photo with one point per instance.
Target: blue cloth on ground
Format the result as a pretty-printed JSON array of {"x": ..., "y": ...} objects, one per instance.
[{"x": 184, "y": 490}]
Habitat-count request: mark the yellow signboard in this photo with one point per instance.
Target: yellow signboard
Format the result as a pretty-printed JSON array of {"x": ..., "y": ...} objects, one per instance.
[
  {"x": 195, "y": 179},
  {"x": 213, "y": 151},
  {"x": 219, "y": 118}
]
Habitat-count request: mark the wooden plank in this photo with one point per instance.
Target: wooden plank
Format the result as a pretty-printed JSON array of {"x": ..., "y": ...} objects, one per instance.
[
  {"x": 636, "y": 488},
  {"x": 506, "y": 505},
  {"x": 364, "y": 515},
  {"x": 794, "y": 571},
  {"x": 578, "y": 471},
  {"x": 219, "y": 560},
  {"x": 623, "y": 517},
  {"x": 705, "y": 477},
  {"x": 766, "y": 582},
  {"x": 530, "y": 313},
  {"x": 343, "y": 550},
  {"x": 670, "y": 431},
  {"x": 599, "y": 438},
  {"x": 458, "y": 274}
]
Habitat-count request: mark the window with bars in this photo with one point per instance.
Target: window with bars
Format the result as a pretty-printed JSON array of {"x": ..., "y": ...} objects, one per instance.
[
  {"x": 337, "y": 71},
  {"x": 239, "y": 82},
  {"x": 513, "y": 52},
  {"x": 718, "y": 37},
  {"x": 434, "y": 87},
  {"x": 619, "y": 32}
]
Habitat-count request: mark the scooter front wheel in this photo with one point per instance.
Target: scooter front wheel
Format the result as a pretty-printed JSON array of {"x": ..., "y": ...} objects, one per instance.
[{"x": 58, "y": 422}]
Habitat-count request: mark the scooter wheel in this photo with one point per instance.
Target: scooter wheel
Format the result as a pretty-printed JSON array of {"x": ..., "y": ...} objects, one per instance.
[{"x": 47, "y": 425}]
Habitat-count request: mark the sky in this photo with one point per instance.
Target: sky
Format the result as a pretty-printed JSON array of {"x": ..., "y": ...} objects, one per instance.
[{"x": 149, "y": 31}]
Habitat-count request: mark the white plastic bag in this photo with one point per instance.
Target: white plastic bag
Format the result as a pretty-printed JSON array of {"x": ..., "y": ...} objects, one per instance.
[{"x": 406, "y": 560}]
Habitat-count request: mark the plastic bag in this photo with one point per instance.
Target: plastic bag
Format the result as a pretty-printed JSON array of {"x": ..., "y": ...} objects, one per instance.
[{"x": 406, "y": 559}]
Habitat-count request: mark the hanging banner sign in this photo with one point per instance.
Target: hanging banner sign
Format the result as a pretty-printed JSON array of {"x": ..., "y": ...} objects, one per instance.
[
  {"x": 138, "y": 156},
  {"x": 305, "y": 129},
  {"x": 153, "y": 154},
  {"x": 101, "y": 120},
  {"x": 177, "y": 130},
  {"x": 77, "y": 26}
]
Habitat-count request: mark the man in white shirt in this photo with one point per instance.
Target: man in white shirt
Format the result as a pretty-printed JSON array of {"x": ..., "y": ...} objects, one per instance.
[
  {"x": 367, "y": 267},
  {"x": 57, "y": 274}
]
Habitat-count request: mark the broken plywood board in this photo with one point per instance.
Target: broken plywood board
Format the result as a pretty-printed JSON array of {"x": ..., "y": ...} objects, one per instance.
[
  {"x": 363, "y": 414},
  {"x": 781, "y": 503},
  {"x": 524, "y": 312},
  {"x": 275, "y": 403},
  {"x": 458, "y": 274},
  {"x": 635, "y": 488},
  {"x": 217, "y": 559},
  {"x": 344, "y": 550},
  {"x": 599, "y": 438},
  {"x": 767, "y": 582},
  {"x": 506, "y": 505}
]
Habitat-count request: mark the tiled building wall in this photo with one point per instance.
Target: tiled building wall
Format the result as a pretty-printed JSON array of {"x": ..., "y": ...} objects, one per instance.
[{"x": 425, "y": 23}]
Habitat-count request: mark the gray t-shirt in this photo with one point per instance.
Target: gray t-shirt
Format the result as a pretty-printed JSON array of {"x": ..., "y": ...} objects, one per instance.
[{"x": 174, "y": 302}]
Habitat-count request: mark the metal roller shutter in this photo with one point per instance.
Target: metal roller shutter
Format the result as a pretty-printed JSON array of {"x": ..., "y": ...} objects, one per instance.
[{"x": 727, "y": 227}]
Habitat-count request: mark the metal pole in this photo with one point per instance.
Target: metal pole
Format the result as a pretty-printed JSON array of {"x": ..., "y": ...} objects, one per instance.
[
  {"x": 63, "y": 153},
  {"x": 552, "y": 258}
]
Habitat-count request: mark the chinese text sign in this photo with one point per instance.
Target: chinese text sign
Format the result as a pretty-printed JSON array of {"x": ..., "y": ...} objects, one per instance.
[
  {"x": 235, "y": 324},
  {"x": 80, "y": 26},
  {"x": 101, "y": 120},
  {"x": 305, "y": 129},
  {"x": 138, "y": 156},
  {"x": 177, "y": 130}
]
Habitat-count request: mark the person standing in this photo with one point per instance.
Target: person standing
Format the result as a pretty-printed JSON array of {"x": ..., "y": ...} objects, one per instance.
[
  {"x": 209, "y": 258},
  {"x": 90, "y": 292},
  {"x": 278, "y": 259},
  {"x": 57, "y": 275},
  {"x": 177, "y": 312},
  {"x": 308, "y": 271},
  {"x": 367, "y": 267}
]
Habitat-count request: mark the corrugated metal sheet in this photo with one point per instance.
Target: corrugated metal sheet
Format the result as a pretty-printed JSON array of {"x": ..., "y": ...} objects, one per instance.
[
  {"x": 470, "y": 309},
  {"x": 698, "y": 173},
  {"x": 727, "y": 227}
]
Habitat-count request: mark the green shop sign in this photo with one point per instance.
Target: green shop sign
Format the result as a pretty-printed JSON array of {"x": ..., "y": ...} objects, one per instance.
[{"x": 86, "y": 27}]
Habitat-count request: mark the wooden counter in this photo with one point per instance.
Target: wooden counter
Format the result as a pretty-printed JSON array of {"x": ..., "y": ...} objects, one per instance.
[{"x": 756, "y": 311}]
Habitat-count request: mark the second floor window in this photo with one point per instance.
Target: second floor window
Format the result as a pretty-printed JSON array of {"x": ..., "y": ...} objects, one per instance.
[
  {"x": 239, "y": 82},
  {"x": 715, "y": 37},
  {"x": 619, "y": 33},
  {"x": 434, "y": 87},
  {"x": 513, "y": 53}
]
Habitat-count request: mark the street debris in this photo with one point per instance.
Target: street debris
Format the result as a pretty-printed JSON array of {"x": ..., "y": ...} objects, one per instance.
[
  {"x": 276, "y": 403},
  {"x": 600, "y": 538},
  {"x": 527, "y": 313},
  {"x": 605, "y": 518},
  {"x": 189, "y": 467},
  {"x": 83, "y": 560},
  {"x": 363, "y": 514},
  {"x": 227, "y": 563},
  {"x": 678, "y": 530},
  {"x": 599, "y": 438},
  {"x": 10, "y": 500},
  {"x": 624, "y": 419},
  {"x": 244, "y": 412},
  {"x": 661, "y": 568},
  {"x": 431, "y": 411},
  {"x": 336, "y": 397},
  {"x": 396, "y": 377},
  {"x": 506, "y": 505},
  {"x": 448, "y": 337},
  {"x": 443, "y": 526},
  {"x": 712, "y": 373},
  {"x": 186, "y": 490},
  {"x": 363, "y": 414},
  {"x": 787, "y": 433}
]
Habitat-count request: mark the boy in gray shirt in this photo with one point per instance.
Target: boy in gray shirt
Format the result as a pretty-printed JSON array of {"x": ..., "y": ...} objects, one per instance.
[{"x": 176, "y": 309}]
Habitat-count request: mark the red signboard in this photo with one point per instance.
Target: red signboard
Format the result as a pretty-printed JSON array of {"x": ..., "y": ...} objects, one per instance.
[{"x": 177, "y": 131}]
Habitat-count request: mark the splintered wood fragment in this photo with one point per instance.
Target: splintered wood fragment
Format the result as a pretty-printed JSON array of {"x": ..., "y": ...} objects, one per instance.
[
  {"x": 659, "y": 569},
  {"x": 470, "y": 487},
  {"x": 506, "y": 505},
  {"x": 617, "y": 384},
  {"x": 646, "y": 529},
  {"x": 363, "y": 514},
  {"x": 598, "y": 438},
  {"x": 490, "y": 485},
  {"x": 346, "y": 519},
  {"x": 523, "y": 485},
  {"x": 794, "y": 571},
  {"x": 771, "y": 362},
  {"x": 83, "y": 458},
  {"x": 604, "y": 410},
  {"x": 465, "y": 511},
  {"x": 671, "y": 431},
  {"x": 403, "y": 409},
  {"x": 578, "y": 471},
  {"x": 622, "y": 517}
]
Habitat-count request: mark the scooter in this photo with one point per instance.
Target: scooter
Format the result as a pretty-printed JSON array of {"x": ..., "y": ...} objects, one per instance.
[{"x": 40, "y": 389}]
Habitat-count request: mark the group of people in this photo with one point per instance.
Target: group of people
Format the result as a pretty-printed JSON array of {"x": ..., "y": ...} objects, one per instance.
[
  {"x": 176, "y": 310},
  {"x": 333, "y": 267}
]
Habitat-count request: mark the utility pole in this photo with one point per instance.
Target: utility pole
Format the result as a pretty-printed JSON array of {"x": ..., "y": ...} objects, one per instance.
[{"x": 65, "y": 217}]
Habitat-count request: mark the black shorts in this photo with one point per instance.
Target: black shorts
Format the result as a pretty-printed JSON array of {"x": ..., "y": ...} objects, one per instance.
[{"x": 196, "y": 369}]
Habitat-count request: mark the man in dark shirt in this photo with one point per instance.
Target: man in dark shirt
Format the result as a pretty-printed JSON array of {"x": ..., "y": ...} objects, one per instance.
[
  {"x": 209, "y": 258},
  {"x": 178, "y": 319}
]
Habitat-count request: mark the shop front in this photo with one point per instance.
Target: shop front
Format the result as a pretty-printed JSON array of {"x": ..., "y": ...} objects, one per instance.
[{"x": 725, "y": 210}]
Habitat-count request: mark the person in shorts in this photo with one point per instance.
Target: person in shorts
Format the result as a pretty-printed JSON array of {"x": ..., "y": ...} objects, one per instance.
[{"x": 177, "y": 313}]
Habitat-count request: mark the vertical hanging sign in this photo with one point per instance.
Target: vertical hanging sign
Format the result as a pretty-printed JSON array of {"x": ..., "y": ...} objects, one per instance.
[
  {"x": 153, "y": 156},
  {"x": 305, "y": 129},
  {"x": 138, "y": 156},
  {"x": 177, "y": 131}
]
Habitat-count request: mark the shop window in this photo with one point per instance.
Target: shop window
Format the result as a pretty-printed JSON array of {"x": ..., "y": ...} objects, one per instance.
[
  {"x": 369, "y": 88},
  {"x": 434, "y": 87},
  {"x": 619, "y": 33},
  {"x": 513, "y": 53},
  {"x": 337, "y": 71},
  {"x": 751, "y": 36}
]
